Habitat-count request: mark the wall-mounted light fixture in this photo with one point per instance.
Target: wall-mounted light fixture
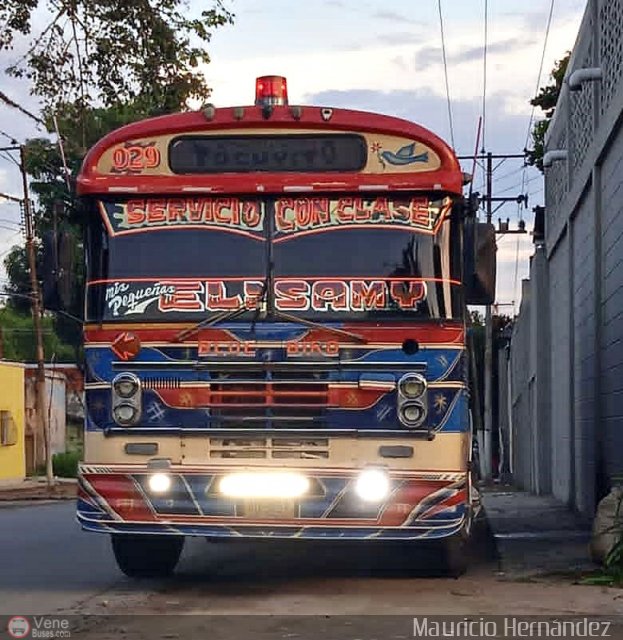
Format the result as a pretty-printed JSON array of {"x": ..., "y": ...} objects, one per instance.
[
  {"x": 580, "y": 76},
  {"x": 555, "y": 155}
]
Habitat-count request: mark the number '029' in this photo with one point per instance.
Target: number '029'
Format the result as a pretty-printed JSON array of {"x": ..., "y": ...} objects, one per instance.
[{"x": 135, "y": 158}]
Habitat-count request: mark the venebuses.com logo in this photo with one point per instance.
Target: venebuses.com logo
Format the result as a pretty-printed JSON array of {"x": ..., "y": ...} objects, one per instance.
[
  {"x": 18, "y": 627},
  {"x": 38, "y": 627}
]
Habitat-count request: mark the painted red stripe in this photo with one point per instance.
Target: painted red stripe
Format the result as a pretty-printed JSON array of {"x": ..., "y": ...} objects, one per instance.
[
  {"x": 452, "y": 333},
  {"x": 122, "y": 495}
]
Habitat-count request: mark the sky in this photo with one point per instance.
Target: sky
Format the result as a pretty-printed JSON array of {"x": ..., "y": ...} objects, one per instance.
[{"x": 383, "y": 56}]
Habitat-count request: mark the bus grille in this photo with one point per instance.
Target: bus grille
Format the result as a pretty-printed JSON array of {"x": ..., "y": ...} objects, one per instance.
[
  {"x": 269, "y": 396},
  {"x": 269, "y": 448}
]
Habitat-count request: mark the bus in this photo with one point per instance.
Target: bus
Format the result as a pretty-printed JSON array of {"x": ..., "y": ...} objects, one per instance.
[{"x": 275, "y": 331}]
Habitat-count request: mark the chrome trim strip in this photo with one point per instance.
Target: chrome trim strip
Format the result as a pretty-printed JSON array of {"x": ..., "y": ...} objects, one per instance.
[{"x": 228, "y": 365}]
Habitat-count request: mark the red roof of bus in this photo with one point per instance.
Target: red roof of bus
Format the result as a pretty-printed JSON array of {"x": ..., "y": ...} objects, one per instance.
[{"x": 447, "y": 177}]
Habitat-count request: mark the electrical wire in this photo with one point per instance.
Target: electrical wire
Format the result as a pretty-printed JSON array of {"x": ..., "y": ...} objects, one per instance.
[
  {"x": 11, "y": 103},
  {"x": 538, "y": 79},
  {"x": 484, "y": 77},
  {"x": 445, "y": 70},
  {"x": 10, "y": 239},
  {"x": 523, "y": 184},
  {"x": 529, "y": 131},
  {"x": 9, "y": 158},
  {"x": 10, "y": 138},
  {"x": 514, "y": 172}
]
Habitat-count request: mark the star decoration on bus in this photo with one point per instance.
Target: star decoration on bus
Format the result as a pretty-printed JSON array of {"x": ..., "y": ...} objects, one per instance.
[
  {"x": 186, "y": 399},
  {"x": 440, "y": 402},
  {"x": 98, "y": 406}
]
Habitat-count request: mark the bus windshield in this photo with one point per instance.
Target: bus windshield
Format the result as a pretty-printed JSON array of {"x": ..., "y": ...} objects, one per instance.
[{"x": 339, "y": 258}]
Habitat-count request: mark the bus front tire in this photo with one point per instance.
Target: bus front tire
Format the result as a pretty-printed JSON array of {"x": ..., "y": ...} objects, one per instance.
[
  {"x": 455, "y": 554},
  {"x": 147, "y": 556}
]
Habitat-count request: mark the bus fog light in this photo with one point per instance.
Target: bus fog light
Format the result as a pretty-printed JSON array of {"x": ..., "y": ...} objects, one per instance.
[
  {"x": 372, "y": 485},
  {"x": 125, "y": 413},
  {"x": 159, "y": 483},
  {"x": 264, "y": 485}
]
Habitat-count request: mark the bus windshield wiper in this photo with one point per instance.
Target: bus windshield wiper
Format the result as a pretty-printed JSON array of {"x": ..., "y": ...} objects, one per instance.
[
  {"x": 230, "y": 314},
  {"x": 318, "y": 325}
]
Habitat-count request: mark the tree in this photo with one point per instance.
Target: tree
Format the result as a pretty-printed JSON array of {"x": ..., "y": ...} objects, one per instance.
[
  {"x": 17, "y": 338},
  {"x": 109, "y": 52},
  {"x": 546, "y": 100},
  {"x": 57, "y": 208},
  {"x": 98, "y": 65}
]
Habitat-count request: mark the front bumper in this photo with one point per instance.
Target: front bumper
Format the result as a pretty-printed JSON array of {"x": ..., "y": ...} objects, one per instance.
[{"x": 117, "y": 499}]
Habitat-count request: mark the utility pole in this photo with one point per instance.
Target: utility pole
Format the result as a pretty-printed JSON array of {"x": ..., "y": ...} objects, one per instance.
[
  {"x": 43, "y": 424},
  {"x": 486, "y": 470},
  {"x": 485, "y": 436}
]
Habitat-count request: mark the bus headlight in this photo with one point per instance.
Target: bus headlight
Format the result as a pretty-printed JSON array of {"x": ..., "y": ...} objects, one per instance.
[
  {"x": 372, "y": 485},
  {"x": 412, "y": 414},
  {"x": 125, "y": 413},
  {"x": 159, "y": 483},
  {"x": 412, "y": 386},
  {"x": 265, "y": 484},
  {"x": 126, "y": 385},
  {"x": 126, "y": 399}
]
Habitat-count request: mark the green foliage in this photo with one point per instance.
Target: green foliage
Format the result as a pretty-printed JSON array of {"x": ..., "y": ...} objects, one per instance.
[
  {"x": 110, "y": 52},
  {"x": 95, "y": 66},
  {"x": 18, "y": 338},
  {"x": 546, "y": 100},
  {"x": 65, "y": 465},
  {"x": 16, "y": 265}
]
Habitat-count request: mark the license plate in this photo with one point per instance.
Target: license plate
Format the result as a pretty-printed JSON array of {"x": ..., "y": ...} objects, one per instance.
[{"x": 268, "y": 509}]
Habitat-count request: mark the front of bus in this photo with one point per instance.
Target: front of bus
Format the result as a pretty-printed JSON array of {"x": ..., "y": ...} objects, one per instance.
[{"x": 274, "y": 330}]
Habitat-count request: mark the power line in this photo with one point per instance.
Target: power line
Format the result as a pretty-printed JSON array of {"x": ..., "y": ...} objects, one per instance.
[
  {"x": 9, "y": 137},
  {"x": 523, "y": 178},
  {"x": 484, "y": 77},
  {"x": 538, "y": 80},
  {"x": 523, "y": 184},
  {"x": 514, "y": 172},
  {"x": 445, "y": 70},
  {"x": 11, "y": 103},
  {"x": 10, "y": 239},
  {"x": 7, "y": 156}
]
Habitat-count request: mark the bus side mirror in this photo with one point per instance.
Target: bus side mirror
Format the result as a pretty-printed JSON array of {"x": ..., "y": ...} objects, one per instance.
[
  {"x": 58, "y": 270},
  {"x": 480, "y": 262}
]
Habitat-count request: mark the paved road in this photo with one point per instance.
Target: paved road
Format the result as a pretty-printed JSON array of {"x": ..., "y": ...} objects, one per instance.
[
  {"x": 46, "y": 562},
  {"x": 48, "y": 565}
]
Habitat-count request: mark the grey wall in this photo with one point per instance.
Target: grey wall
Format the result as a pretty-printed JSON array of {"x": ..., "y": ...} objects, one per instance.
[{"x": 568, "y": 391}]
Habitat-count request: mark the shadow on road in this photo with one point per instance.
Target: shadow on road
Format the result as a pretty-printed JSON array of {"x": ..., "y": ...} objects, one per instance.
[{"x": 251, "y": 566}]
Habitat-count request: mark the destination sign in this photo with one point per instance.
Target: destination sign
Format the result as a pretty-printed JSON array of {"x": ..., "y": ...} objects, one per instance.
[{"x": 272, "y": 153}]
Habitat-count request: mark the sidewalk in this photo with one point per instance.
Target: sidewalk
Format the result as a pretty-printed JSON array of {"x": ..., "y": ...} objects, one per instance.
[
  {"x": 36, "y": 488},
  {"x": 536, "y": 535}
]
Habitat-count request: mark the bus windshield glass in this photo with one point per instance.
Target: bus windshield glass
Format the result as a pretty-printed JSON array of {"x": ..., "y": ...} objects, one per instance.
[{"x": 327, "y": 258}]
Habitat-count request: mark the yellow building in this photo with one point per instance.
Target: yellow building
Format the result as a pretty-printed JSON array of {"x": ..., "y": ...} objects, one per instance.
[{"x": 12, "y": 437}]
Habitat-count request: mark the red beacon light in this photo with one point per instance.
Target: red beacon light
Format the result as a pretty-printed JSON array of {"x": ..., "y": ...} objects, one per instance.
[{"x": 271, "y": 91}]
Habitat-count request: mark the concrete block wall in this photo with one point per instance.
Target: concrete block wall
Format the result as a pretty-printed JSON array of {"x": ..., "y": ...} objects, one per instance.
[{"x": 573, "y": 381}]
